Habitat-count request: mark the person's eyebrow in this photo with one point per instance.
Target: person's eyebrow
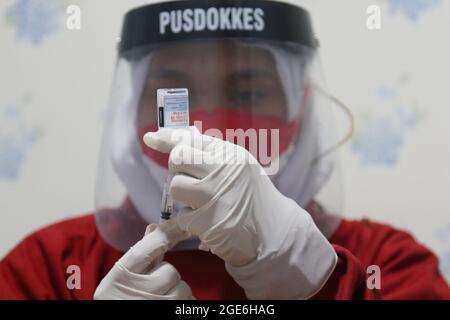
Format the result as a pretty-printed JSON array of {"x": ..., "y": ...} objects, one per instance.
[
  {"x": 252, "y": 74},
  {"x": 167, "y": 74}
]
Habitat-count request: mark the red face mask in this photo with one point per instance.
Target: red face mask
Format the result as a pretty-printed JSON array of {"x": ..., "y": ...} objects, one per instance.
[{"x": 222, "y": 119}]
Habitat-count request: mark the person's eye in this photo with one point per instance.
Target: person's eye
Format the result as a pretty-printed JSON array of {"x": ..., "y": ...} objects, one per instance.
[{"x": 247, "y": 97}]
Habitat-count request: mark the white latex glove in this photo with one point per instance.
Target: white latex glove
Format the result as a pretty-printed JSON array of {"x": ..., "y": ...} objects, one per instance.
[
  {"x": 140, "y": 274},
  {"x": 271, "y": 246}
]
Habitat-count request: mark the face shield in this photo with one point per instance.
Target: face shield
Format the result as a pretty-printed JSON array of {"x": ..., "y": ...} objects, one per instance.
[{"x": 251, "y": 68}]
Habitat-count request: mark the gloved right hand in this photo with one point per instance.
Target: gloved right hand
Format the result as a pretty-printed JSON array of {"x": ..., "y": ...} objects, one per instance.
[
  {"x": 271, "y": 246},
  {"x": 140, "y": 274}
]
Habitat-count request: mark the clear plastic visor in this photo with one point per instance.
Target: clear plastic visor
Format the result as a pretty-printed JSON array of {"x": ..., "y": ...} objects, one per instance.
[{"x": 261, "y": 95}]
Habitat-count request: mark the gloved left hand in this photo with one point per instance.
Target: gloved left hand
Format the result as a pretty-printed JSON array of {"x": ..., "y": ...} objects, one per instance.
[
  {"x": 141, "y": 275},
  {"x": 271, "y": 246}
]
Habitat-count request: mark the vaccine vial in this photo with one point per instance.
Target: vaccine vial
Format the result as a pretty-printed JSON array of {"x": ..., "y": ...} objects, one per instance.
[{"x": 173, "y": 107}]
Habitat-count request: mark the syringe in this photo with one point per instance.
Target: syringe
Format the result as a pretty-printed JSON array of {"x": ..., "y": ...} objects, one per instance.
[
  {"x": 167, "y": 201},
  {"x": 173, "y": 112}
]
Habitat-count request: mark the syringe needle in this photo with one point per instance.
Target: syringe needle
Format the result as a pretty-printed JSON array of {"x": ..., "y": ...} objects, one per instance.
[{"x": 166, "y": 202}]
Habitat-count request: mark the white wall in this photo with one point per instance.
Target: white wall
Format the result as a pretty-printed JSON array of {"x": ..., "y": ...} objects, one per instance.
[{"x": 55, "y": 84}]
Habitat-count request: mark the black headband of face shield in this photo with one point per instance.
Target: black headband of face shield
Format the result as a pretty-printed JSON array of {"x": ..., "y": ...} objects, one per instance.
[{"x": 258, "y": 20}]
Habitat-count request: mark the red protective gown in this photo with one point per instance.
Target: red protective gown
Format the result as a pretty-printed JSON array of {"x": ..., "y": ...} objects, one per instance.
[{"x": 36, "y": 268}]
